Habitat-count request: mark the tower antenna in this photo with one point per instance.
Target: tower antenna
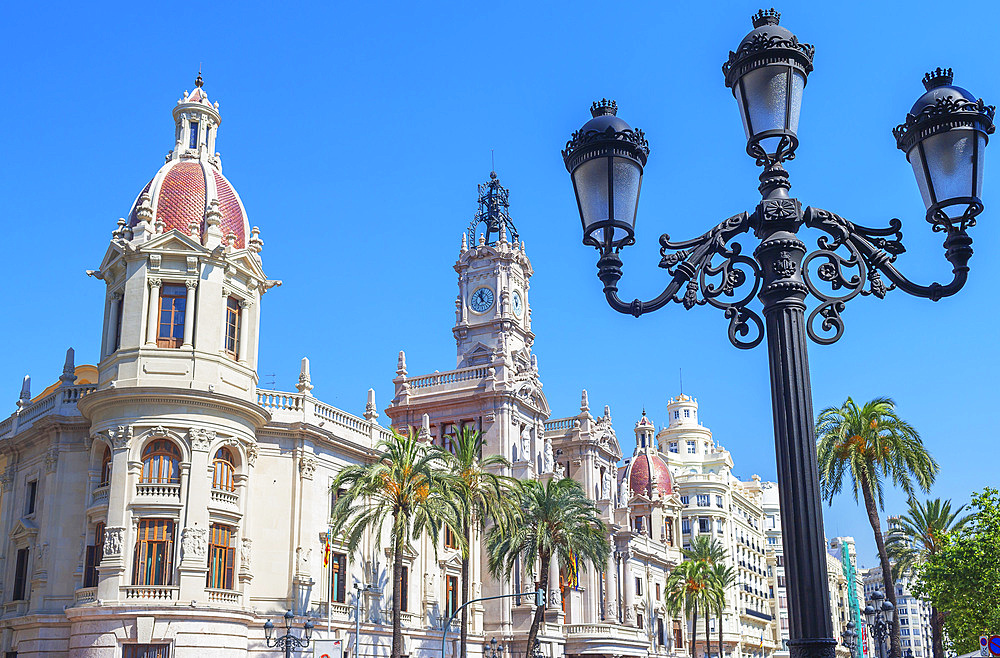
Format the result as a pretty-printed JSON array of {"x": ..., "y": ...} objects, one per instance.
[
  {"x": 493, "y": 161},
  {"x": 680, "y": 375}
]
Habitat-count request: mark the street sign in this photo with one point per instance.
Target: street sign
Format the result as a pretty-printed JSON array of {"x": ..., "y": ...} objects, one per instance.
[
  {"x": 984, "y": 646},
  {"x": 328, "y": 649},
  {"x": 995, "y": 645}
]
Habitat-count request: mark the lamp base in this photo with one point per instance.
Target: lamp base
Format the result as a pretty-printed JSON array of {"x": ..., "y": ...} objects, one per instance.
[{"x": 812, "y": 648}]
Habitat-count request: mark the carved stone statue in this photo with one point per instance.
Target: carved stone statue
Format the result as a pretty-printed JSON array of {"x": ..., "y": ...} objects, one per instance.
[
  {"x": 607, "y": 484},
  {"x": 525, "y": 442},
  {"x": 302, "y": 559},
  {"x": 194, "y": 542},
  {"x": 560, "y": 471},
  {"x": 548, "y": 459},
  {"x": 246, "y": 545},
  {"x": 629, "y": 614},
  {"x": 113, "y": 541}
]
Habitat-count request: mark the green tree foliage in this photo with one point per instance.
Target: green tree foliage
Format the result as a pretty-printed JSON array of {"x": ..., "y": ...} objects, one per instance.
[
  {"x": 867, "y": 445},
  {"x": 917, "y": 535},
  {"x": 484, "y": 496},
  {"x": 700, "y": 581},
  {"x": 558, "y": 519},
  {"x": 962, "y": 579},
  {"x": 407, "y": 484}
]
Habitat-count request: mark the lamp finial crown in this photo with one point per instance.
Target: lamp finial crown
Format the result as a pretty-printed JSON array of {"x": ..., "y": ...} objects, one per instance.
[
  {"x": 604, "y": 107},
  {"x": 766, "y": 17},
  {"x": 939, "y": 77}
]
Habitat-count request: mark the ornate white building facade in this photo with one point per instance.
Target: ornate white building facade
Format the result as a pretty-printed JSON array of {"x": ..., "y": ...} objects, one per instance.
[{"x": 160, "y": 504}]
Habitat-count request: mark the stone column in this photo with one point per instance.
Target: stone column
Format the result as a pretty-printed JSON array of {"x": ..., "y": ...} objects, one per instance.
[
  {"x": 154, "y": 311},
  {"x": 611, "y": 590},
  {"x": 244, "y": 355},
  {"x": 194, "y": 537},
  {"x": 111, "y": 334},
  {"x": 189, "y": 313},
  {"x": 112, "y": 569},
  {"x": 629, "y": 586}
]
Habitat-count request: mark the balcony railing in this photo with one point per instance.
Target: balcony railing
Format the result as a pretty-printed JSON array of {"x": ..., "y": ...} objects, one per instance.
[
  {"x": 151, "y": 592},
  {"x": 298, "y": 407},
  {"x": 159, "y": 490},
  {"x": 85, "y": 595},
  {"x": 100, "y": 495},
  {"x": 224, "y": 497},
  {"x": 226, "y": 596}
]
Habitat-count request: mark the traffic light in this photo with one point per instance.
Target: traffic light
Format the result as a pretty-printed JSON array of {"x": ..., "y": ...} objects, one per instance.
[{"x": 540, "y": 598}]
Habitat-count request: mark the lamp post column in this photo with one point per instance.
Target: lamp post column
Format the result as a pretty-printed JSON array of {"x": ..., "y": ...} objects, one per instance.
[{"x": 783, "y": 295}]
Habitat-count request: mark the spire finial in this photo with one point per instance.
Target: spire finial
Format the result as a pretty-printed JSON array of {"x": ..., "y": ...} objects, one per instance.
[
  {"x": 305, "y": 380},
  {"x": 766, "y": 17},
  {"x": 603, "y": 107},
  {"x": 198, "y": 82},
  {"x": 939, "y": 77}
]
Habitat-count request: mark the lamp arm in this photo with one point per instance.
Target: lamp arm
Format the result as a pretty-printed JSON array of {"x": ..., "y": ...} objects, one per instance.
[
  {"x": 689, "y": 262},
  {"x": 878, "y": 249}
]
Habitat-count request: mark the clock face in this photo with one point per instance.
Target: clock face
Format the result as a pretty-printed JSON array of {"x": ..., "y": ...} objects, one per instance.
[
  {"x": 517, "y": 305},
  {"x": 482, "y": 300}
]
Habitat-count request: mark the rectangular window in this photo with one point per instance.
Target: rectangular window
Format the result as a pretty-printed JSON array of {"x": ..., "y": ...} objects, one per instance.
[
  {"x": 704, "y": 525},
  {"x": 781, "y": 581},
  {"x": 685, "y": 525},
  {"x": 678, "y": 636},
  {"x": 673, "y": 446},
  {"x": 904, "y": 631},
  {"x": 657, "y": 591},
  {"x": 154, "y": 553},
  {"x": 718, "y": 526},
  {"x": 703, "y": 500},
  {"x": 638, "y": 586},
  {"x": 772, "y": 540},
  {"x": 30, "y": 496},
  {"x": 21, "y": 575},
  {"x": 659, "y": 631},
  {"x": 95, "y": 553},
  {"x": 451, "y": 596},
  {"x": 779, "y": 560},
  {"x": 687, "y": 413},
  {"x": 338, "y": 580},
  {"x": 233, "y": 319},
  {"x": 639, "y": 523},
  {"x": 193, "y": 139},
  {"x": 404, "y": 589},
  {"x": 718, "y": 502},
  {"x": 685, "y": 500},
  {"x": 691, "y": 447},
  {"x": 173, "y": 298},
  {"x": 449, "y": 538},
  {"x": 120, "y": 303},
  {"x": 221, "y": 556},
  {"x": 145, "y": 651},
  {"x": 638, "y": 621},
  {"x": 448, "y": 435}
]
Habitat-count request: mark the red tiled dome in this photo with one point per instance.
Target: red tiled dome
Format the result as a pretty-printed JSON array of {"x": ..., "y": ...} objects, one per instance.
[
  {"x": 181, "y": 191},
  {"x": 639, "y": 480}
]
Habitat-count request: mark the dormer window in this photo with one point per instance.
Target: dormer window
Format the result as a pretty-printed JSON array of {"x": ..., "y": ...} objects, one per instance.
[{"x": 193, "y": 143}]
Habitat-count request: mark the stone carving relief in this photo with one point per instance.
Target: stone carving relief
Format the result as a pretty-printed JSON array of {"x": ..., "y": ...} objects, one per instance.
[
  {"x": 7, "y": 479},
  {"x": 120, "y": 437},
  {"x": 303, "y": 556},
  {"x": 307, "y": 467},
  {"x": 201, "y": 439},
  {"x": 194, "y": 542},
  {"x": 246, "y": 545},
  {"x": 113, "y": 540},
  {"x": 629, "y": 614},
  {"x": 252, "y": 453},
  {"x": 560, "y": 471},
  {"x": 51, "y": 459}
]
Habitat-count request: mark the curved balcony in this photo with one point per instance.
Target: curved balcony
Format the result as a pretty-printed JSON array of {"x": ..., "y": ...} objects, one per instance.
[
  {"x": 165, "y": 491},
  {"x": 225, "y": 498},
  {"x": 164, "y": 593}
]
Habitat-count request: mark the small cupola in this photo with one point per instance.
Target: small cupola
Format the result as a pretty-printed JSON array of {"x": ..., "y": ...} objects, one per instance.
[
  {"x": 682, "y": 410},
  {"x": 196, "y": 121}
]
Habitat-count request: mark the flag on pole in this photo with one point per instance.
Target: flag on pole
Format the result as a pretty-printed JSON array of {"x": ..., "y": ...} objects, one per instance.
[{"x": 326, "y": 551}]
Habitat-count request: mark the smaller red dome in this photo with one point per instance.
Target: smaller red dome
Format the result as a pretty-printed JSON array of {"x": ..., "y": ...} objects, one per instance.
[{"x": 640, "y": 481}]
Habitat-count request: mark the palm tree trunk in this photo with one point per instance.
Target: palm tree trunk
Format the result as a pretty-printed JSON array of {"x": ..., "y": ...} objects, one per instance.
[
  {"x": 937, "y": 634},
  {"x": 536, "y": 621},
  {"x": 465, "y": 591},
  {"x": 719, "y": 622},
  {"x": 708, "y": 635},
  {"x": 397, "y": 584},
  {"x": 694, "y": 630},
  {"x": 895, "y": 650}
]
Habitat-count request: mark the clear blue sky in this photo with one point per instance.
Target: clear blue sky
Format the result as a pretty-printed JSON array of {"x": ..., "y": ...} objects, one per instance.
[{"x": 356, "y": 136}]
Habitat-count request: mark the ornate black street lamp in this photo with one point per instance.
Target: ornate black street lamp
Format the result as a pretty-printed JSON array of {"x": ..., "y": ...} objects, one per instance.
[
  {"x": 849, "y": 637},
  {"x": 878, "y": 619},
  {"x": 492, "y": 649},
  {"x": 288, "y": 641},
  {"x": 943, "y": 136}
]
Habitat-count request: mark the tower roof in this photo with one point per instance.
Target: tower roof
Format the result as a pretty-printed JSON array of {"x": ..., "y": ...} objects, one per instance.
[
  {"x": 190, "y": 188},
  {"x": 648, "y": 470},
  {"x": 493, "y": 213}
]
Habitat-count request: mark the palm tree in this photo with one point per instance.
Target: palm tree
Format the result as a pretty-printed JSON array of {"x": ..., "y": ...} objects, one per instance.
[
  {"x": 405, "y": 483},
  {"x": 871, "y": 443},
  {"x": 558, "y": 520},
  {"x": 710, "y": 552},
  {"x": 484, "y": 496},
  {"x": 686, "y": 587},
  {"x": 917, "y": 535},
  {"x": 722, "y": 577}
]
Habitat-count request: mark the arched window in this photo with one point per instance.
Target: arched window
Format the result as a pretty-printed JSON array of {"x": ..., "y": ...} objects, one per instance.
[
  {"x": 161, "y": 463},
  {"x": 222, "y": 470},
  {"x": 106, "y": 467}
]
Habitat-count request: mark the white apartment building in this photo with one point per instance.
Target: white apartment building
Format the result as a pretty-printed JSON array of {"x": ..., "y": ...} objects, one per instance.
[
  {"x": 718, "y": 504},
  {"x": 914, "y": 614}
]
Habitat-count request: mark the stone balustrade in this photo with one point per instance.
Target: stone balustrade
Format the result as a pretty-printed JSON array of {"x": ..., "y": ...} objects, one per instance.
[
  {"x": 61, "y": 401},
  {"x": 100, "y": 495},
  {"x": 84, "y": 595},
  {"x": 163, "y": 593},
  {"x": 446, "y": 378},
  {"x": 168, "y": 491},
  {"x": 227, "y": 498},
  {"x": 224, "y": 596},
  {"x": 302, "y": 408}
]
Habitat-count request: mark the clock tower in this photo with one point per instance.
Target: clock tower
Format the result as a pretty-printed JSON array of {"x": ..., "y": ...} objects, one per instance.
[{"x": 492, "y": 316}]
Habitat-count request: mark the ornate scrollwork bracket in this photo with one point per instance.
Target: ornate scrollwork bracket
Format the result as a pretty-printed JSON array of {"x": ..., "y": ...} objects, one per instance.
[
  {"x": 852, "y": 260},
  {"x": 709, "y": 269}
]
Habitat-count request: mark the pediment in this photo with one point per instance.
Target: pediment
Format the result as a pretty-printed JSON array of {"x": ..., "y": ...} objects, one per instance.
[
  {"x": 114, "y": 252},
  {"x": 245, "y": 259},
  {"x": 174, "y": 240},
  {"x": 23, "y": 529},
  {"x": 454, "y": 562},
  {"x": 408, "y": 553},
  {"x": 531, "y": 392}
]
